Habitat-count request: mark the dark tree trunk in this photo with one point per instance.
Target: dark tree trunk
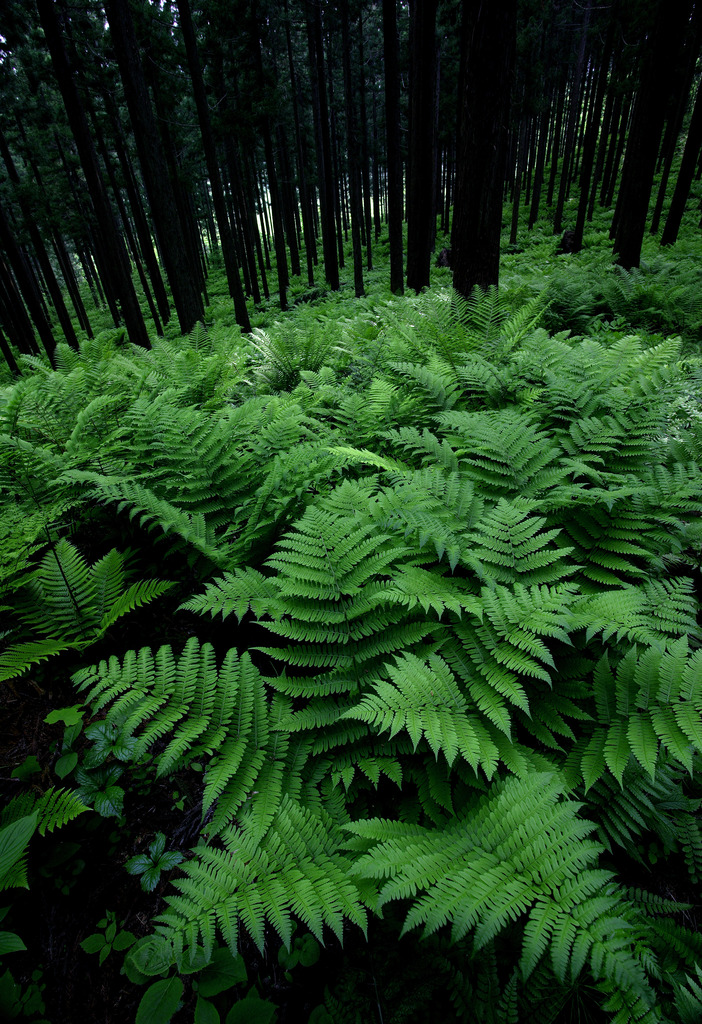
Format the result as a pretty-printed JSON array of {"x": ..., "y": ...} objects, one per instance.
[
  {"x": 141, "y": 224},
  {"x": 539, "y": 167},
  {"x": 27, "y": 284},
  {"x": 421, "y": 219},
  {"x": 307, "y": 220},
  {"x": 40, "y": 250},
  {"x": 614, "y": 155},
  {"x": 114, "y": 264},
  {"x": 208, "y": 144},
  {"x": 573, "y": 117},
  {"x": 672, "y": 19},
  {"x": 686, "y": 173},
  {"x": 324, "y": 149},
  {"x": 64, "y": 261},
  {"x": 352, "y": 144},
  {"x": 674, "y": 125},
  {"x": 365, "y": 158},
  {"x": 13, "y": 313},
  {"x": 488, "y": 49},
  {"x": 274, "y": 192},
  {"x": 590, "y": 141},
  {"x": 394, "y": 157},
  {"x": 8, "y": 355},
  {"x": 520, "y": 167},
  {"x": 186, "y": 295}
]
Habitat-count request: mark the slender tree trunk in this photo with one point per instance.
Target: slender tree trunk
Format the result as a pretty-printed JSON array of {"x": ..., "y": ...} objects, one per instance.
[
  {"x": 13, "y": 313},
  {"x": 539, "y": 168},
  {"x": 365, "y": 158},
  {"x": 590, "y": 141},
  {"x": 394, "y": 157},
  {"x": 307, "y": 220},
  {"x": 186, "y": 295},
  {"x": 8, "y": 356},
  {"x": 422, "y": 142},
  {"x": 693, "y": 144},
  {"x": 573, "y": 113},
  {"x": 27, "y": 284},
  {"x": 208, "y": 144},
  {"x": 352, "y": 144},
  {"x": 111, "y": 252},
  {"x": 488, "y": 49},
  {"x": 672, "y": 19},
  {"x": 324, "y": 150},
  {"x": 39, "y": 249}
]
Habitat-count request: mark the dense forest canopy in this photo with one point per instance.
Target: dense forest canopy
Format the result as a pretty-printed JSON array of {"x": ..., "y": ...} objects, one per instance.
[
  {"x": 139, "y": 140},
  {"x": 351, "y": 511}
]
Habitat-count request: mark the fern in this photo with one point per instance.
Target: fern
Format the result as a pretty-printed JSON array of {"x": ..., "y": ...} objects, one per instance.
[{"x": 72, "y": 604}]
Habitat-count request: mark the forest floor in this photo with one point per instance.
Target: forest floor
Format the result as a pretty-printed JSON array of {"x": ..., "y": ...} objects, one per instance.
[{"x": 79, "y": 886}]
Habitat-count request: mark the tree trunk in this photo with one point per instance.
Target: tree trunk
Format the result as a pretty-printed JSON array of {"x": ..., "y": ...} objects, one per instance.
[
  {"x": 672, "y": 18},
  {"x": 421, "y": 220},
  {"x": 114, "y": 265},
  {"x": 352, "y": 147},
  {"x": 27, "y": 284},
  {"x": 208, "y": 144},
  {"x": 686, "y": 173},
  {"x": 489, "y": 43},
  {"x": 186, "y": 295},
  {"x": 324, "y": 152},
  {"x": 394, "y": 157}
]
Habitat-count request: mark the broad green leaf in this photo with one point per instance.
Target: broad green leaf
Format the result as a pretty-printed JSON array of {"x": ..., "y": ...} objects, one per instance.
[
  {"x": 14, "y": 839},
  {"x": 94, "y": 943},
  {"x": 206, "y": 1012},
  {"x": 223, "y": 972},
  {"x": 160, "y": 1002},
  {"x": 65, "y": 764},
  {"x": 251, "y": 1011},
  {"x": 69, "y": 716},
  {"x": 10, "y": 943}
]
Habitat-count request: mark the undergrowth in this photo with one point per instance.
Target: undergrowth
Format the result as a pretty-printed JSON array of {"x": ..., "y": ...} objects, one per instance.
[{"x": 455, "y": 550}]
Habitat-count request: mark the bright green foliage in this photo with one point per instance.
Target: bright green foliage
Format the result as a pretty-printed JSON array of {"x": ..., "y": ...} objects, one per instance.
[
  {"x": 68, "y": 603},
  {"x": 468, "y": 549}
]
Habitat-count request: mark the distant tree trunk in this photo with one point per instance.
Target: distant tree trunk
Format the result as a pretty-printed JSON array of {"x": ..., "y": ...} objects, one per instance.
[
  {"x": 394, "y": 157},
  {"x": 69, "y": 277},
  {"x": 675, "y": 123},
  {"x": 365, "y": 159},
  {"x": 614, "y": 154},
  {"x": 352, "y": 145},
  {"x": 421, "y": 219},
  {"x": 671, "y": 21},
  {"x": 213, "y": 172},
  {"x": 691, "y": 153},
  {"x": 594, "y": 123},
  {"x": 539, "y": 167},
  {"x": 27, "y": 284},
  {"x": 574, "y": 112},
  {"x": 488, "y": 49},
  {"x": 186, "y": 295},
  {"x": 324, "y": 151},
  {"x": 40, "y": 249},
  {"x": 13, "y": 313},
  {"x": 8, "y": 356},
  {"x": 114, "y": 264},
  {"x": 307, "y": 220}
]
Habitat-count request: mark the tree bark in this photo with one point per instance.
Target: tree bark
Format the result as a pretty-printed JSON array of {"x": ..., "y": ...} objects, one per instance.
[
  {"x": 186, "y": 296},
  {"x": 213, "y": 172},
  {"x": 422, "y": 143},
  {"x": 489, "y": 43},
  {"x": 394, "y": 157},
  {"x": 671, "y": 21},
  {"x": 114, "y": 264}
]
